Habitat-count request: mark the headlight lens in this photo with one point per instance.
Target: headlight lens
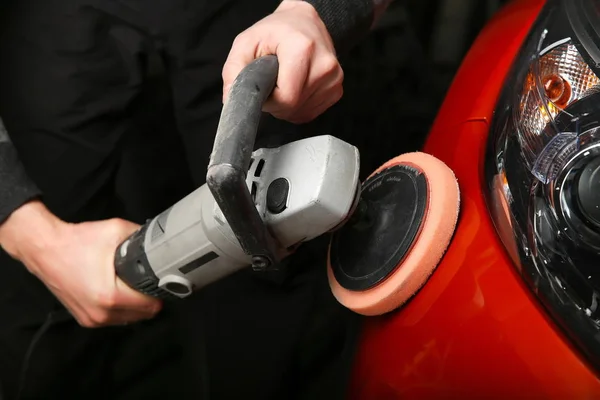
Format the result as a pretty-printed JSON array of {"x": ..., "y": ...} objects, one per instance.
[{"x": 543, "y": 169}]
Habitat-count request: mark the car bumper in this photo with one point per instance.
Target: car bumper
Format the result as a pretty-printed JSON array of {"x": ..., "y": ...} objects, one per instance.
[{"x": 475, "y": 330}]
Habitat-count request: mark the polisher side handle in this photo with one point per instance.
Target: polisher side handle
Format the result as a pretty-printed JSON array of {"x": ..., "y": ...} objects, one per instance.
[{"x": 230, "y": 159}]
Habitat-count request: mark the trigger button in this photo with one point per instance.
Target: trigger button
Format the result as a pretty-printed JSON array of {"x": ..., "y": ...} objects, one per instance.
[{"x": 277, "y": 195}]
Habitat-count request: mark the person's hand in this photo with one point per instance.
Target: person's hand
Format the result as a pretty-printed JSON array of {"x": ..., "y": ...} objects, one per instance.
[
  {"x": 310, "y": 76},
  {"x": 76, "y": 263}
]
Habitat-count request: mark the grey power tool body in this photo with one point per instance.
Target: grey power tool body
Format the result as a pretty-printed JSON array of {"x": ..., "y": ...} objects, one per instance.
[{"x": 254, "y": 210}]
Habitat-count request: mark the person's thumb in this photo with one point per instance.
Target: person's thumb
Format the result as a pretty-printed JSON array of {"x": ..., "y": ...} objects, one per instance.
[
  {"x": 129, "y": 298},
  {"x": 123, "y": 228}
]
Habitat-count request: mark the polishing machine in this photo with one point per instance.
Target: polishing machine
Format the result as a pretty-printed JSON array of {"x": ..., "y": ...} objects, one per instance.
[{"x": 258, "y": 206}]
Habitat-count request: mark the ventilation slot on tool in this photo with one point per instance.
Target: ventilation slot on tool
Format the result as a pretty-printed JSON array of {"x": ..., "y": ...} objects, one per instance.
[
  {"x": 259, "y": 168},
  {"x": 253, "y": 192},
  {"x": 193, "y": 265}
]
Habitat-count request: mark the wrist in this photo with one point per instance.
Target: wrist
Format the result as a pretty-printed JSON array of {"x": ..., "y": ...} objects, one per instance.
[
  {"x": 347, "y": 21},
  {"x": 28, "y": 230},
  {"x": 303, "y": 5}
]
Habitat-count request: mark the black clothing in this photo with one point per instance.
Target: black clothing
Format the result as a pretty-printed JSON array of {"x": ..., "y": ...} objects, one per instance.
[
  {"x": 112, "y": 106},
  {"x": 347, "y": 21},
  {"x": 17, "y": 188}
]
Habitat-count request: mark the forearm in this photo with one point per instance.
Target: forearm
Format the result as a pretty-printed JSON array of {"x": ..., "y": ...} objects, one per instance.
[
  {"x": 349, "y": 21},
  {"x": 16, "y": 188}
]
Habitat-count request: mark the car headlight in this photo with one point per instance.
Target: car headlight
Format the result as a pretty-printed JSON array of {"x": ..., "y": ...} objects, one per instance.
[{"x": 543, "y": 167}]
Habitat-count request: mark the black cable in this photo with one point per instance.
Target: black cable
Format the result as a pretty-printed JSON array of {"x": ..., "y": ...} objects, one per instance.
[{"x": 36, "y": 338}]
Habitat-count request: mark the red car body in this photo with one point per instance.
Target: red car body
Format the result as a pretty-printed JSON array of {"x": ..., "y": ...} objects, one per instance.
[{"x": 475, "y": 330}]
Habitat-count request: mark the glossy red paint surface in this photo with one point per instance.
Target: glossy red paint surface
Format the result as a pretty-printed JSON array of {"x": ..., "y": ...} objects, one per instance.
[{"x": 475, "y": 330}]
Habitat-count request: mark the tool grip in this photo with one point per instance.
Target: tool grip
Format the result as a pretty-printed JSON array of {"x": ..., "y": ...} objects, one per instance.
[
  {"x": 240, "y": 116},
  {"x": 230, "y": 159}
]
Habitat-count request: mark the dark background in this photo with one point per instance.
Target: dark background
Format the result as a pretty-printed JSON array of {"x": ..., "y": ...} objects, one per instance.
[{"x": 396, "y": 79}]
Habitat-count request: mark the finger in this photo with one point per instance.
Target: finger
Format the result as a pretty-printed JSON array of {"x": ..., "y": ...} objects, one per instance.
[
  {"x": 116, "y": 231},
  {"x": 99, "y": 315},
  {"x": 294, "y": 68},
  {"x": 128, "y": 299},
  {"x": 83, "y": 317},
  {"x": 317, "y": 104},
  {"x": 113, "y": 318},
  {"x": 80, "y": 314},
  {"x": 242, "y": 53},
  {"x": 124, "y": 229},
  {"x": 77, "y": 311},
  {"x": 120, "y": 317},
  {"x": 325, "y": 74}
]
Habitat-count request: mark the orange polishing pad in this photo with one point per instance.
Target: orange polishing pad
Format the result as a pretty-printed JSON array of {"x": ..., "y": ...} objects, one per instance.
[{"x": 401, "y": 229}]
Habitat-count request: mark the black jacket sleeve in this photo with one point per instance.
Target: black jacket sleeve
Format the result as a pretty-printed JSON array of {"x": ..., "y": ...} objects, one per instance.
[
  {"x": 16, "y": 188},
  {"x": 348, "y": 21}
]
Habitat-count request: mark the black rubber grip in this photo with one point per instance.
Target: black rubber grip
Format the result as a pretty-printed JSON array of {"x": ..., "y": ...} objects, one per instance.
[{"x": 230, "y": 159}]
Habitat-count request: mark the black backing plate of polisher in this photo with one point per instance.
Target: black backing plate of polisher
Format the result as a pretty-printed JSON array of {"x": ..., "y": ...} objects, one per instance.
[{"x": 373, "y": 244}]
